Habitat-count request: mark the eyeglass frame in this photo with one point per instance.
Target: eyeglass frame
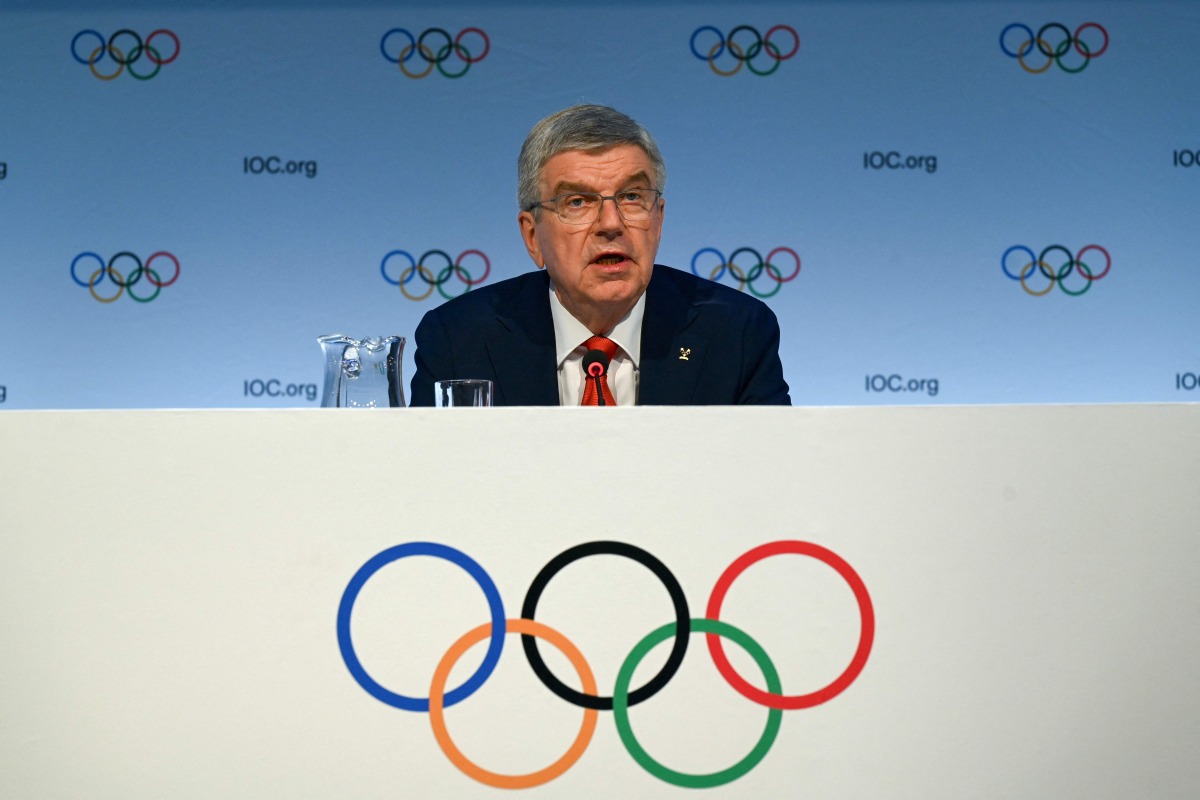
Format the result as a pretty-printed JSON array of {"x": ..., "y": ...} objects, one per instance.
[{"x": 600, "y": 208}]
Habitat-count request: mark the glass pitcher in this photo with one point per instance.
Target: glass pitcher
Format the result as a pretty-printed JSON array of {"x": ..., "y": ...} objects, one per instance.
[{"x": 362, "y": 373}]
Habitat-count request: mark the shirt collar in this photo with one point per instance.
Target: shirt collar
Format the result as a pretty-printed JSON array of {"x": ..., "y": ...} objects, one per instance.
[{"x": 570, "y": 333}]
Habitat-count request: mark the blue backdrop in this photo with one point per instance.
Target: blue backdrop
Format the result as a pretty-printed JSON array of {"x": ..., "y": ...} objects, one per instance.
[{"x": 944, "y": 202}]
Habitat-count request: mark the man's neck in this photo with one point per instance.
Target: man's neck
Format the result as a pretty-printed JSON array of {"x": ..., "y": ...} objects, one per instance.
[{"x": 597, "y": 319}]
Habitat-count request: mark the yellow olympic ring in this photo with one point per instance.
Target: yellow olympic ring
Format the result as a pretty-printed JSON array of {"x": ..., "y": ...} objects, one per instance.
[
  {"x": 426, "y": 53},
  {"x": 118, "y": 280},
  {"x": 118, "y": 56},
  {"x": 1044, "y": 46},
  {"x": 411, "y": 273},
  {"x": 1027, "y": 270},
  {"x": 712, "y": 61},
  {"x": 437, "y": 701}
]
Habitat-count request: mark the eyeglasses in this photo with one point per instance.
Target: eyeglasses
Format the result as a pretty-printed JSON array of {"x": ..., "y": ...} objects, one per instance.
[{"x": 583, "y": 208}]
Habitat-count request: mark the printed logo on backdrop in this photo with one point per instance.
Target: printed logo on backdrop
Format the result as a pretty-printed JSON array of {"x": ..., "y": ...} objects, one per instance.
[
  {"x": 125, "y": 52},
  {"x": 418, "y": 56},
  {"x": 274, "y": 165},
  {"x": 417, "y": 278},
  {"x": 124, "y": 274},
  {"x": 1055, "y": 266},
  {"x": 763, "y": 277},
  {"x": 744, "y": 46},
  {"x": 893, "y": 160},
  {"x": 1180, "y": 158},
  {"x": 1054, "y": 44},
  {"x": 678, "y": 631}
]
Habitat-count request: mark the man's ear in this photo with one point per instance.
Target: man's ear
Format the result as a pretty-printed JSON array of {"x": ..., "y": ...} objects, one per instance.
[{"x": 528, "y": 224}]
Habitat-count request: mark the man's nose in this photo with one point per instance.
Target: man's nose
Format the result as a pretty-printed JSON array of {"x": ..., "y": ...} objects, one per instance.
[{"x": 610, "y": 219}]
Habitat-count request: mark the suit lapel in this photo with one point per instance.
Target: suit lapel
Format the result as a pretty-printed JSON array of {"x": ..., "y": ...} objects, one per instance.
[
  {"x": 522, "y": 353},
  {"x": 671, "y": 358}
]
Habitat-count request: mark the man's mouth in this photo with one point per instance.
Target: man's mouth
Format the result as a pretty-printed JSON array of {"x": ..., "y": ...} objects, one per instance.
[{"x": 609, "y": 259}]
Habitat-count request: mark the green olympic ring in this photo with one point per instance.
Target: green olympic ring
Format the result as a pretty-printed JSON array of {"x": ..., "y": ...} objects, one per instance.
[{"x": 658, "y": 770}]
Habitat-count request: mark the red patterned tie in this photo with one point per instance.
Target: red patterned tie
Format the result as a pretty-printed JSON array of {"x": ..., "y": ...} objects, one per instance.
[{"x": 596, "y": 372}]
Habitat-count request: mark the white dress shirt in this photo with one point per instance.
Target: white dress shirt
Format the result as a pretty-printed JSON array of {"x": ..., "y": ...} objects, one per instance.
[{"x": 569, "y": 336}]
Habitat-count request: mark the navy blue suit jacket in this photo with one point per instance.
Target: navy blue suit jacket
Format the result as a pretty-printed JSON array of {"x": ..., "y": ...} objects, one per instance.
[{"x": 505, "y": 333}]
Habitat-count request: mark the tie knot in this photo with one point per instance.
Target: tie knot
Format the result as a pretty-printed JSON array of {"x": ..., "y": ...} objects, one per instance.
[{"x": 603, "y": 344}]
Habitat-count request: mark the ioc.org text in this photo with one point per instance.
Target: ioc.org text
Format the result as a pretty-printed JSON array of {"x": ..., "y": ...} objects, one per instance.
[
  {"x": 274, "y": 165},
  {"x": 1184, "y": 382},
  {"x": 895, "y": 161},
  {"x": 274, "y": 388},
  {"x": 898, "y": 384}
]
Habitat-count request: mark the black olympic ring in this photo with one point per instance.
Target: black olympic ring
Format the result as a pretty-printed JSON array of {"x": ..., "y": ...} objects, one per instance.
[{"x": 678, "y": 599}]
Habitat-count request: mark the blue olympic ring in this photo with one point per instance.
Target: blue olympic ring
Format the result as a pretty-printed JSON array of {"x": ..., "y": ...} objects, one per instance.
[
  {"x": 456, "y": 557},
  {"x": 103, "y": 268}
]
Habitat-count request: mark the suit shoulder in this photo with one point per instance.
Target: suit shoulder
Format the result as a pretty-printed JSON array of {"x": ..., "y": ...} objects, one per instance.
[
  {"x": 699, "y": 291},
  {"x": 497, "y": 298}
]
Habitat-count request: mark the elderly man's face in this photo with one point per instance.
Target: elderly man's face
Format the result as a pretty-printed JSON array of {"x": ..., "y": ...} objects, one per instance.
[{"x": 599, "y": 270}]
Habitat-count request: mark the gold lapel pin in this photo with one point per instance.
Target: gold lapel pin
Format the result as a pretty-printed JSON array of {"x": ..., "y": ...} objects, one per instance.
[{"x": 684, "y": 352}]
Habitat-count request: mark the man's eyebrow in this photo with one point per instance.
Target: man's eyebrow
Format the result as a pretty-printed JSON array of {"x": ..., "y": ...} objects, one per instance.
[{"x": 570, "y": 187}]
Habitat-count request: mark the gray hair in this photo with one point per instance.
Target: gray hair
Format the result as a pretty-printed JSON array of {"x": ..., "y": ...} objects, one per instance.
[{"x": 583, "y": 127}]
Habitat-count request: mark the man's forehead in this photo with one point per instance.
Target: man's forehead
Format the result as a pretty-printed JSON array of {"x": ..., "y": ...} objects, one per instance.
[{"x": 619, "y": 162}]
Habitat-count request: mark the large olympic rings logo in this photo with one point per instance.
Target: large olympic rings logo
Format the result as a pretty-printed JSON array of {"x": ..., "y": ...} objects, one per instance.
[
  {"x": 747, "y": 50},
  {"x": 125, "y": 48},
  {"x": 1056, "y": 270},
  {"x": 418, "y": 272},
  {"x": 108, "y": 271},
  {"x": 1054, "y": 41},
  {"x": 759, "y": 268},
  {"x": 678, "y": 631},
  {"x": 435, "y": 52}
]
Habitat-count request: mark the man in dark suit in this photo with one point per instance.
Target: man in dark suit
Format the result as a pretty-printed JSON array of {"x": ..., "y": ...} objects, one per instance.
[{"x": 590, "y": 183}]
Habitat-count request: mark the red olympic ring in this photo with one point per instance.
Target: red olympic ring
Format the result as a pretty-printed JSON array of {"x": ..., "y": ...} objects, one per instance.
[
  {"x": 164, "y": 254},
  {"x": 1076, "y": 39},
  {"x": 150, "y": 53},
  {"x": 788, "y": 54},
  {"x": 865, "y": 639},
  {"x": 790, "y": 252},
  {"x": 1107, "y": 261},
  {"x": 487, "y": 267},
  {"x": 487, "y": 44}
]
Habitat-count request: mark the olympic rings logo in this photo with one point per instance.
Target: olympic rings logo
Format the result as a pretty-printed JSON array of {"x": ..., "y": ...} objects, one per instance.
[
  {"x": 108, "y": 271},
  {"x": 418, "y": 272},
  {"x": 129, "y": 52},
  {"x": 1056, "y": 274},
  {"x": 1054, "y": 41},
  {"x": 436, "y": 52},
  {"x": 752, "y": 44},
  {"x": 746, "y": 276},
  {"x": 678, "y": 631}
]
